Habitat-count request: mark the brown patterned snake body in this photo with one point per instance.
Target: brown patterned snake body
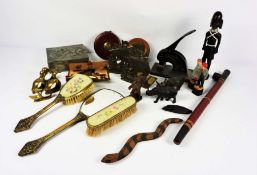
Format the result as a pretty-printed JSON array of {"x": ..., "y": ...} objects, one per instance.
[{"x": 132, "y": 141}]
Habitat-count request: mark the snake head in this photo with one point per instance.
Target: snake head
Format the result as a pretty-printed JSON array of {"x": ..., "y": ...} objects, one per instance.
[{"x": 110, "y": 158}]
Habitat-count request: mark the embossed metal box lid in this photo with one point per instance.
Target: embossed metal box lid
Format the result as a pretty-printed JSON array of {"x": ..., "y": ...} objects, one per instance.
[{"x": 59, "y": 57}]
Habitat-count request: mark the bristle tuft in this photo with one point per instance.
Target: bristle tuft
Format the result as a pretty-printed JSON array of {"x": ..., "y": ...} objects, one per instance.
[
  {"x": 95, "y": 131},
  {"x": 79, "y": 97}
]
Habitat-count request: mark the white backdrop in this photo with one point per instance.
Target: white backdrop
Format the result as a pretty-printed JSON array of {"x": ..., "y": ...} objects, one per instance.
[{"x": 224, "y": 139}]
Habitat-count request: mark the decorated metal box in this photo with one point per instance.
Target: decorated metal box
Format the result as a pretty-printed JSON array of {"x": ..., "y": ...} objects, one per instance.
[{"x": 59, "y": 57}]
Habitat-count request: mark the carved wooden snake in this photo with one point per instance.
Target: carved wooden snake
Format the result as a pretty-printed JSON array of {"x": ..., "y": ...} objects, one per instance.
[{"x": 132, "y": 141}]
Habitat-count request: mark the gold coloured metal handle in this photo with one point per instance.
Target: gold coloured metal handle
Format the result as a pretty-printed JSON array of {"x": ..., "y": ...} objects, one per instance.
[
  {"x": 33, "y": 146},
  {"x": 25, "y": 124}
]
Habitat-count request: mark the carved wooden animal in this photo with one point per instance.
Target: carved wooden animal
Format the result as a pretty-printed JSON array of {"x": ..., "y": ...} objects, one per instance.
[{"x": 135, "y": 139}]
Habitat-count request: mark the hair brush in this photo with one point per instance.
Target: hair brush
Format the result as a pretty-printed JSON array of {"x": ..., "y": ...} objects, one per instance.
[
  {"x": 72, "y": 92},
  {"x": 111, "y": 108},
  {"x": 110, "y": 115}
]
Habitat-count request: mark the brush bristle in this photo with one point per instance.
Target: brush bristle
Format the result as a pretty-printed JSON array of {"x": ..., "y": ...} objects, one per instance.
[
  {"x": 79, "y": 97},
  {"x": 95, "y": 131}
]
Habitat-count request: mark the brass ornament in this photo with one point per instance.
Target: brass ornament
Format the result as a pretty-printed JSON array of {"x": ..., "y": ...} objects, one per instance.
[{"x": 43, "y": 86}]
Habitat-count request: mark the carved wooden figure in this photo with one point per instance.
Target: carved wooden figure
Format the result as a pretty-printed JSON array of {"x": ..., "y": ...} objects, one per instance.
[{"x": 212, "y": 39}]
